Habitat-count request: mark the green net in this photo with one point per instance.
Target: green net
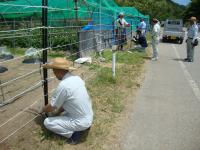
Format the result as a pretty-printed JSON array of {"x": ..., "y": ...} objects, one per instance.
[{"x": 100, "y": 12}]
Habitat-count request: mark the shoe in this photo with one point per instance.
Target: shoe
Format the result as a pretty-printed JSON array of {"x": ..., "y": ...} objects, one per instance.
[
  {"x": 188, "y": 60},
  {"x": 75, "y": 138},
  {"x": 154, "y": 58}
]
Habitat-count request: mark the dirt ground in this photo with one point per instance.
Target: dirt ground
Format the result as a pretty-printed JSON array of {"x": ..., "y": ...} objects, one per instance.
[
  {"x": 15, "y": 115},
  {"x": 31, "y": 136}
]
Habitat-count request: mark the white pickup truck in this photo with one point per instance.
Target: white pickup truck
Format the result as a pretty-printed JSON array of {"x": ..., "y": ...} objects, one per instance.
[{"x": 173, "y": 30}]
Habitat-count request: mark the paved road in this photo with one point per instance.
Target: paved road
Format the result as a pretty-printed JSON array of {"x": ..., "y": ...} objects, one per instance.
[{"x": 166, "y": 114}]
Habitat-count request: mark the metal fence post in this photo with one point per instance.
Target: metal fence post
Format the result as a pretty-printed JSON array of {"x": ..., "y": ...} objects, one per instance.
[
  {"x": 45, "y": 45},
  {"x": 2, "y": 92}
]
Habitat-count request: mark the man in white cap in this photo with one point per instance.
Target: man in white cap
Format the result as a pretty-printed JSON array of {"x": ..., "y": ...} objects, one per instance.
[
  {"x": 71, "y": 100},
  {"x": 120, "y": 30},
  {"x": 155, "y": 38},
  {"x": 192, "y": 39}
]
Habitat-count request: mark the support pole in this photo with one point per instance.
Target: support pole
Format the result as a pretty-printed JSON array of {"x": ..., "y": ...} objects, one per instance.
[
  {"x": 45, "y": 45},
  {"x": 2, "y": 92},
  {"x": 76, "y": 9},
  {"x": 131, "y": 28},
  {"x": 100, "y": 28},
  {"x": 13, "y": 28},
  {"x": 131, "y": 34},
  {"x": 114, "y": 63}
]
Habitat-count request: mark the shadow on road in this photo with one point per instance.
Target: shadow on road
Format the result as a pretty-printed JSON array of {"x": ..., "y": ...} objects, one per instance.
[{"x": 178, "y": 59}]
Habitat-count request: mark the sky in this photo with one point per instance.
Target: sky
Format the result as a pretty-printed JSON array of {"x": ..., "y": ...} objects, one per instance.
[{"x": 182, "y": 2}]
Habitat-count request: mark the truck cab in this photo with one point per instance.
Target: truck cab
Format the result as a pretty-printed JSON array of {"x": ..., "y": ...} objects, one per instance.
[{"x": 173, "y": 31}]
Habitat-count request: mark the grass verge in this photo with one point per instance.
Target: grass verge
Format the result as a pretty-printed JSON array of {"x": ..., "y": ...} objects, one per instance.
[
  {"x": 109, "y": 94},
  {"x": 108, "y": 97}
]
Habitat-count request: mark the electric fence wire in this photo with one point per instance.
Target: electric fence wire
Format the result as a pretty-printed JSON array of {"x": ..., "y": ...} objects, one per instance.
[
  {"x": 20, "y": 77},
  {"x": 23, "y": 110},
  {"x": 17, "y": 58},
  {"x": 40, "y": 82},
  {"x": 28, "y": 122}
]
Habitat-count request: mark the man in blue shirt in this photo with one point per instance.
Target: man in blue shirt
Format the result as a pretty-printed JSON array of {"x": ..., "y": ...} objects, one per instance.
[
  {"x": 142, "y": 27},
  {"x": 141, "y": 32}
]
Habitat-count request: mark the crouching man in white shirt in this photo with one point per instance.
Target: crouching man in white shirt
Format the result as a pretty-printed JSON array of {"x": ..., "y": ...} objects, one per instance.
[{"x": 70, "y": 98}]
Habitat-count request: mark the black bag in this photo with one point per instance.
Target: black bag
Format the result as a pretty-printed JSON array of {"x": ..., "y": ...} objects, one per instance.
[{"x": 195, "y": 42}]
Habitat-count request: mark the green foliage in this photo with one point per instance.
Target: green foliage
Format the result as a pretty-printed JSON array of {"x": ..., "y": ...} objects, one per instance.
[
  {"x": 125, "y": 58},
  {"x": 161, "y": 9},
  {"x": 17, "y": 51},
  {"x": 104, "y": 77},
  {"x": 193, "y": 9},
  {"x": 58, "y": 39}
]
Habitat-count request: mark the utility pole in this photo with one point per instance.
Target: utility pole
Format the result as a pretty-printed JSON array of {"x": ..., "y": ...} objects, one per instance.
[{"x": 44, "y": 46}]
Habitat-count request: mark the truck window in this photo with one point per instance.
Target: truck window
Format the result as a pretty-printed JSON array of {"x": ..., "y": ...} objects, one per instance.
[{"x": 174, "y": 22}]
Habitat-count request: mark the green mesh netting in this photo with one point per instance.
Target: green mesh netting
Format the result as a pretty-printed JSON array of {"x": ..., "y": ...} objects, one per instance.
[{"x": 99, "y": 11}]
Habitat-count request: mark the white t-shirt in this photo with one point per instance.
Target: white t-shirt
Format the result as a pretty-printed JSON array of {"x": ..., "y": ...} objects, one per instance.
[
  {"x": 71, "y": 94},
  {"x": 156, "y": 32},
  {"x": 121, "y": 23}
]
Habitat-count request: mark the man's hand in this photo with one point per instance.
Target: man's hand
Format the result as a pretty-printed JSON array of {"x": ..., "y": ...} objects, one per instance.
[
  {"x": 48, "y": 108},
  {"x": 128, "y": 25}
]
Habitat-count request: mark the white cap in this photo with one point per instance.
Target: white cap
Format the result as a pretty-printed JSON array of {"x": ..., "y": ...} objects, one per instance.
[{"x": 121, "y": 13}]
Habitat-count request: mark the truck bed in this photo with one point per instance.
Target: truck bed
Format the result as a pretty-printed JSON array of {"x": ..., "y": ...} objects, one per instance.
[{"x": 174, "y": 33}]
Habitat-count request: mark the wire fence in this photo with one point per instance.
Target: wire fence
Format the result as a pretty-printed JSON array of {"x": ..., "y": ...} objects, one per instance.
[{"x": 18, "y": 35}]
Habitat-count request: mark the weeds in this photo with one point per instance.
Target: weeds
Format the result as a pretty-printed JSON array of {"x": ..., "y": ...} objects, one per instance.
[{"x": 108, "y": 96}]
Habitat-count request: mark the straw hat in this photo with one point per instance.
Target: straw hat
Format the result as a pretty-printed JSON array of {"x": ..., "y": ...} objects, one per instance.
[
  {"x": 193, "y": 19},
  {"x": 155, "y": 20},
  {"x": 59, "y": 63}
]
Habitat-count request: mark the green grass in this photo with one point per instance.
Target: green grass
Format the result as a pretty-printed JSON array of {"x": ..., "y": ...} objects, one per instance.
[
  {"x": 108, "y": 96},
  {"x": 17, "y": 51},
  {"x": 104, "y": 77},
  {"x": 125, "y": 57},
  {"x": 148, "y": 36}
]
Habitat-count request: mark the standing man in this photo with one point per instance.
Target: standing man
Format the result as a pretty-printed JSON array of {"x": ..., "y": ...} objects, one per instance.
[
  {"x": 155, "y": 38},
  {"x": 120, "y": 30},
  {"x": 142, "y": 27},
  {"x": 192, "y": 38},
  {"x": 71, "y": 101}
]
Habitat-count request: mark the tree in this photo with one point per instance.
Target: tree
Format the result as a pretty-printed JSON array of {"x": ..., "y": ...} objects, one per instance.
[
  {"x": 161, "y": 9},
  {"x": 193, "y": 10}
]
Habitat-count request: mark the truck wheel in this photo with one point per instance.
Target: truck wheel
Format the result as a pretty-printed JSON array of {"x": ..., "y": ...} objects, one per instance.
[
  {"x": 180, "y": 41},
  {"x": 164, "y": 40}
]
